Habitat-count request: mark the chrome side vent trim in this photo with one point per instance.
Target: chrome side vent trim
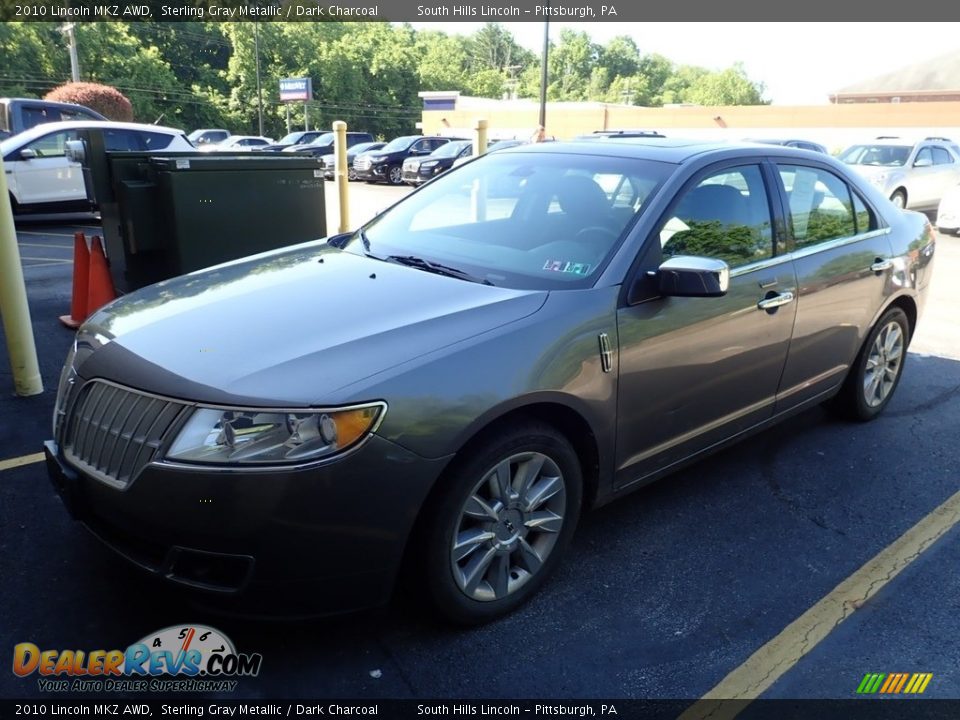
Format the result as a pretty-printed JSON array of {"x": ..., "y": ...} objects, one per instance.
[{"x": 606, "y": 354}]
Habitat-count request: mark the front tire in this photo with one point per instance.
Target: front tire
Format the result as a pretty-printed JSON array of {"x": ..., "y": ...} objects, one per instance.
[
  {"x": 877, "y": 370},
  {"x": 899, "y": 199},
  {"x": 505, "y": 516},
  {"x": 395, "y": 175}
]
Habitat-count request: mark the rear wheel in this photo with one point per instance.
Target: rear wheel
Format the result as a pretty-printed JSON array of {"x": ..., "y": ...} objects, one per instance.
[
  {"x": 899, "y": 199},
  {"x": 506, "y": 515},
  {"x": 876, "y": 373}
]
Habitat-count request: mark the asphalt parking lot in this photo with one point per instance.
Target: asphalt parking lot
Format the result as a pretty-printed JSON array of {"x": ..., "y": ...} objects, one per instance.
[{"x": 664, "y": 594}]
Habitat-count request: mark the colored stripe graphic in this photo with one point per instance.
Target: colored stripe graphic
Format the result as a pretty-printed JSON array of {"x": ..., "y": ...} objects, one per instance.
[{"x": 894, "y": 683}]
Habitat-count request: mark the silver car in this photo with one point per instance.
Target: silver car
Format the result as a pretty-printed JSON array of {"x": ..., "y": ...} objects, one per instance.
[
  {"x": 912, "y": 175},
  {"x": 442, "y": 392}
]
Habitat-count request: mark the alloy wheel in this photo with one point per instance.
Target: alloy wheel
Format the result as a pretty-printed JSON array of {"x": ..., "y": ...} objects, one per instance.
[
  {"x": 508, "y": 526},
  {"x": 883, "y": 364}
]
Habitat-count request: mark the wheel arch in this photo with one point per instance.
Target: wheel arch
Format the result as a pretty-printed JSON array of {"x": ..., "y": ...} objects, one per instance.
[{"x": 567, "y": 420}]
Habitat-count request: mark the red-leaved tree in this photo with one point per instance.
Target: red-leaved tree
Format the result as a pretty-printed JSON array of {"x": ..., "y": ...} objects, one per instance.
[{"x": 106, "y": 100}]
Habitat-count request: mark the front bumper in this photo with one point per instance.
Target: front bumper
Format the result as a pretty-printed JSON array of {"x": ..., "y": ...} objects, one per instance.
[
  {"x": 374, "y": 172},
  {"x": 330, "y": 537}
]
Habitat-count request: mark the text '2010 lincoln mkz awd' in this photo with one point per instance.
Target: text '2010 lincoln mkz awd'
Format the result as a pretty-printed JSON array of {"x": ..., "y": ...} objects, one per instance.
[{"x": 442, "y": 392}]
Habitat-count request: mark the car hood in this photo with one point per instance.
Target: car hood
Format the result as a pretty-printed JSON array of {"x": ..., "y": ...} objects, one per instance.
[
  {"x": 872, "y": 172},
  {"x": 287, "y": 328}
]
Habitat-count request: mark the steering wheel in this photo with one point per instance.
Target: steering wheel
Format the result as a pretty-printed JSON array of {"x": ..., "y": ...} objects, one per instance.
[{"x": 595, "y": 234}]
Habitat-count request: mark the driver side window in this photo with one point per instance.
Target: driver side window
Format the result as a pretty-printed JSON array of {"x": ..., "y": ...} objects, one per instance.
[{"x": 725, "y": 216}]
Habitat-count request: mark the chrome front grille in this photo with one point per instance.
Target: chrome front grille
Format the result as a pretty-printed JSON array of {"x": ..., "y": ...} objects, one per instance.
[
  {"x": 362, "y": 163},
  {"x": 113, "y": 432}
]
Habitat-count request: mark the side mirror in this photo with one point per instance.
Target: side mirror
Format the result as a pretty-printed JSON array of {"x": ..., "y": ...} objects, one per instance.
[
  {"x": 28, "y": 154},
  {"x": 687, "y": 276},
  {"x": 338, "y": 241},
  {"x": 923, "y": 162},
  {"x": 76, "y": 151}
]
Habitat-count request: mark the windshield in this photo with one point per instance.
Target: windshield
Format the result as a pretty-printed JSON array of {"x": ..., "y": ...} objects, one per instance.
[
  {"x": 292, "y": 138},
  {"x": 883, "y": 155},
  {"x": 520, "y": 220},
  {"x": 451, "y": 149},
  {"x": 325, "y": 139},
  {"x": 400, "y": 143}
]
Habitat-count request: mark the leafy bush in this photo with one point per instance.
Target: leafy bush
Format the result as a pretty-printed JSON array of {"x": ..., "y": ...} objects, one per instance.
[{"x": 107, "y": 101}]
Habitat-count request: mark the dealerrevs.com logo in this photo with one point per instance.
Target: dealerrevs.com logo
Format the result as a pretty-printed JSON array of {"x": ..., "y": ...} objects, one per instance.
[{"x": 189, "y": 658}]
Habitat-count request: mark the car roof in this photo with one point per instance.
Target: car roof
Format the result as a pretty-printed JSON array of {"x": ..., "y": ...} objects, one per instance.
[
  {"x": 669, "y": 150},
  {"x": 46, "y": 128}
]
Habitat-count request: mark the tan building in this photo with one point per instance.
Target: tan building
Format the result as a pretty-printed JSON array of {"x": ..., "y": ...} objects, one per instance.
[
  {"x": 835, "y": 126},
  {"x": 936, "y": 80}
]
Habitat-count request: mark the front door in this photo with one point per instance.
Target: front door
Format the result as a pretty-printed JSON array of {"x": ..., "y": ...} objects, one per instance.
[
  {"x": 49, "y": 177},
  {"x": 695, "y": 371}
]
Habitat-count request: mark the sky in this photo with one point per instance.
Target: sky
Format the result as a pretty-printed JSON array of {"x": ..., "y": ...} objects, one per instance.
[{"x": 799, "y": 63}]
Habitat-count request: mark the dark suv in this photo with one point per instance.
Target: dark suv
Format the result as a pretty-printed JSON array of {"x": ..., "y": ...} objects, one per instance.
[
  {"x": 387, "y": 164},
  {"x": 324, "y": 144}
]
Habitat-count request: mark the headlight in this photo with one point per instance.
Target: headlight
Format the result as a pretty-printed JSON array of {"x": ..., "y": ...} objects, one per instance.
[
  {"x": 270, "y": 437},
  {"x": 429, "y": 164}
]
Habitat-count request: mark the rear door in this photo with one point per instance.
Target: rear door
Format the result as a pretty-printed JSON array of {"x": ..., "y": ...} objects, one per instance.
[
  {"x": 844, "y": 269},
  {"x": 695, "y": 371}
]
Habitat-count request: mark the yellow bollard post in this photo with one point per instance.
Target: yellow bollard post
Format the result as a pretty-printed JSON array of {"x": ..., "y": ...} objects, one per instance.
[
  {"x": 343, "y": 179},
  {"x": 478, "y": 193},
  {"x": 13, "y": 303},
  {"x": 480, "y": 137}
]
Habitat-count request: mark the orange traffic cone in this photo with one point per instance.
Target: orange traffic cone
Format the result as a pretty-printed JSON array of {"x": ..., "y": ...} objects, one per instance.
[
  {"x": 100, "y": 290},
  {"x": 81, "y": 279}
]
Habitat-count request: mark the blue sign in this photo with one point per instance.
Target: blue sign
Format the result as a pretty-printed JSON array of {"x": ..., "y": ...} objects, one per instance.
[{"x": 296, "y": 89}]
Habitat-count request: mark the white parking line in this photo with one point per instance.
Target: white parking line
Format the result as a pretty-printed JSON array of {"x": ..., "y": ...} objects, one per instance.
[
  {"x": 36, "y": 262},
  {"x": 44, "y": 234},
  {"x": 45, "y": 245}
]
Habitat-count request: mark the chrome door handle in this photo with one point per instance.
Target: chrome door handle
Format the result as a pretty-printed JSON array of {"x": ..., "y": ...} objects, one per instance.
[
  {"x": 775, "y": 301},
  {"x": 881, "y": 265}
]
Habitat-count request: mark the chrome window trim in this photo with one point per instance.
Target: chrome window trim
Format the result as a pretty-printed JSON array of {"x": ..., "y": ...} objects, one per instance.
[{"x": 837, "y": 242}]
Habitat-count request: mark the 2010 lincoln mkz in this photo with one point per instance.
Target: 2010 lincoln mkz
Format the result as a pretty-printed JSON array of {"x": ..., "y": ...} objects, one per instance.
[{"x": 440, "y": 394}]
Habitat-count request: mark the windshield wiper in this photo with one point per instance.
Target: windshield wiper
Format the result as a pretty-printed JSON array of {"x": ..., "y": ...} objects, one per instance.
[{"x": 430, "y": 266}]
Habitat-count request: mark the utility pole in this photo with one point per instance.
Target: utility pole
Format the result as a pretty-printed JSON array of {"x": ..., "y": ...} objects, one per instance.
[
  {"x": 69, "y": 29},
  {"x": 543, "y": 71}
]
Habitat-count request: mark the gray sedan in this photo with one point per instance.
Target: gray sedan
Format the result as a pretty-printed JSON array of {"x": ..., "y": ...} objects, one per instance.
[{"x": 440, "y": 394}]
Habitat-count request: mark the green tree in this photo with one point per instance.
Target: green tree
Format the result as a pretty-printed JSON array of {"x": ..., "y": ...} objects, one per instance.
[
  {"x": 28, "y": 51},
  {"x": 727, "y": 87}
]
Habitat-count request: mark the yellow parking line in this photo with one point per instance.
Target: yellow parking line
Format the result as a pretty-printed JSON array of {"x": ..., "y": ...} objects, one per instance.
[
  {"x": 766, "y": 665},
  {"x": 20, "y": 461}
]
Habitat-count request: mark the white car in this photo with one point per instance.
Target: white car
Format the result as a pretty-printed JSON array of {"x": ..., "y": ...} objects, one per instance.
[
  {"x": 42, "y": 179},
  {"x": 914, "y": 175},
  {"x": 236, "y": 143},
  {"x": 948, "y": 213}
]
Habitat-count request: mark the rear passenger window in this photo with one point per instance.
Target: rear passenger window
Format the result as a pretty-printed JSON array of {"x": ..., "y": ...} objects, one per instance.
[
  {"x": 726, "y": 216},
  {"x": 865, "y": 220},
  {"x": 941, "y": 156},
  {"x": 820, "y": 205}
]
